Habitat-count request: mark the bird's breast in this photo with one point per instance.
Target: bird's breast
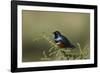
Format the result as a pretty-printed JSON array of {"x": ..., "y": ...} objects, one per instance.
[{"x": 58, "y": 39}]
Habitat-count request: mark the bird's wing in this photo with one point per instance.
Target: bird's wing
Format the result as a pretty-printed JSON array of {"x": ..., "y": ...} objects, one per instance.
[{"x": 66, "y": 41}]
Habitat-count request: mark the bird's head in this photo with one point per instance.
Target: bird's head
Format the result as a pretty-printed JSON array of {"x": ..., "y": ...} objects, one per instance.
[{"x": 56, "y": 33}]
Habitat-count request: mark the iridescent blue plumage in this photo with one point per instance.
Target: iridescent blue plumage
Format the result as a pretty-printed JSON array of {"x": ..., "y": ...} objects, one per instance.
[{"x": 62, "y": 41}]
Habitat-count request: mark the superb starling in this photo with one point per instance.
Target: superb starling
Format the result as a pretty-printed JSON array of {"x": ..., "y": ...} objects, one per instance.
[{"x": 62, "y": 41}]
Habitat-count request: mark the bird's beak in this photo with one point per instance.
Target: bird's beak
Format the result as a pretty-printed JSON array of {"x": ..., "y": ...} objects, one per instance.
[{"x": 53, "y": 33}]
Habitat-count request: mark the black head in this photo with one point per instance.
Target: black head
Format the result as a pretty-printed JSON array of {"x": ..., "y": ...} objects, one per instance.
[{"x": 57, "y": 33}]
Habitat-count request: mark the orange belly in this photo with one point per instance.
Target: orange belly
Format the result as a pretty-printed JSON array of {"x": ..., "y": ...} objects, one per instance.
[{"x": 61, "y": 45}]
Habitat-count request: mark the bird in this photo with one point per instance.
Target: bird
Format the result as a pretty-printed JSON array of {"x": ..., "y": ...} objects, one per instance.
[{"x": 62, "y": 41}]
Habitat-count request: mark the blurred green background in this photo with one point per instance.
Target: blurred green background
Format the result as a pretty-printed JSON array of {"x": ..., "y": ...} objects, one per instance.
[{"x": 75, "y": 26}]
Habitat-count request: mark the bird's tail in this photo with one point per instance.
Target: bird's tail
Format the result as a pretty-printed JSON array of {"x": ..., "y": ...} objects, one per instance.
[{"x": 73, "y": 46}]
